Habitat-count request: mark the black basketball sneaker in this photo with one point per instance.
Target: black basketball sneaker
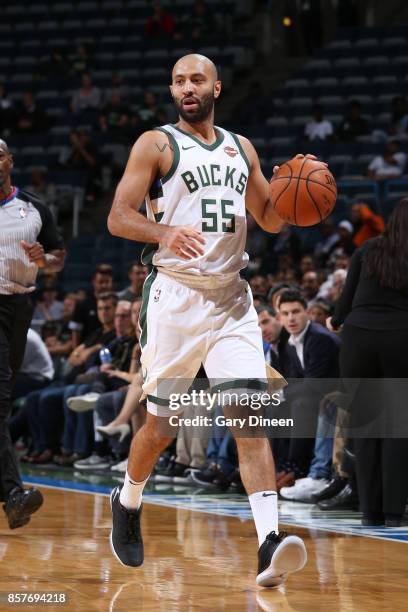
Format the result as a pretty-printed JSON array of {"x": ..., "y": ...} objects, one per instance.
[
  {"x": 20, "y": 505},
  {"x": 126, "y": 537},
  {"x": 279, "y": 556}
]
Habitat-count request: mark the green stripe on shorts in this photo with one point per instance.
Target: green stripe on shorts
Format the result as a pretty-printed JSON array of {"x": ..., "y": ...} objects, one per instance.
[{"x": 145, "y": 302}]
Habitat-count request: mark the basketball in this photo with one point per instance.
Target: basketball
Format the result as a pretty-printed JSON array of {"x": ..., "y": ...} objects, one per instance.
[{"x": 303, "y": 191}]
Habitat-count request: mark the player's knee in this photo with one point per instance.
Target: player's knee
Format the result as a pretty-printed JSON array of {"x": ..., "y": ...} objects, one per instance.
[{"x": 156, "y": 434}]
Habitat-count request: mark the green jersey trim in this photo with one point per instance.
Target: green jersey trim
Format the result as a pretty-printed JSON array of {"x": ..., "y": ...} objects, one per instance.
[
  {"x": 241, "y": 150},
  {"x": 176, "y": 155},
  {"x": 211, "y": 147},
  {"x": 150, "y": 248}
]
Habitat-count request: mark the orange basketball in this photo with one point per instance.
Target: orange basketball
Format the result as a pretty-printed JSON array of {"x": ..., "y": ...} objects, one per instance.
[{"x": 303, "y": 192}]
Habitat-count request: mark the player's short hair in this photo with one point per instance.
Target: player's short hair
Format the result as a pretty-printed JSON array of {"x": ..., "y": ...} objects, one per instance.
[
  {"x": 269, "y": 309},
  {"x": 292, "y": 295}
]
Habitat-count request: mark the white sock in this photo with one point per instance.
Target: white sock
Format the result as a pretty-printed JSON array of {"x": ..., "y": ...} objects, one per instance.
[
  {"x": 264, "y": 506},
  {"x": 131, "y": 493}
]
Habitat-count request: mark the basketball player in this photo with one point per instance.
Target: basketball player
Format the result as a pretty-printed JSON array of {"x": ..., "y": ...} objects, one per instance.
[{"x": 198, "y": 180}]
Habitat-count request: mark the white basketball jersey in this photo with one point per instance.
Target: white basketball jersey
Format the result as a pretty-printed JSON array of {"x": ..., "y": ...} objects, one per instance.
[{"x": 205, "y": 188}]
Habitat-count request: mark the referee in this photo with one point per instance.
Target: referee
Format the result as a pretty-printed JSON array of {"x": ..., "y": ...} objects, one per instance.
[{"x": 28, "y": 241}]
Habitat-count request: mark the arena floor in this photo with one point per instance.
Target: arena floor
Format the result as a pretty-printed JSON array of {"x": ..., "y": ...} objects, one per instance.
[{"x": 200, "y": 554}]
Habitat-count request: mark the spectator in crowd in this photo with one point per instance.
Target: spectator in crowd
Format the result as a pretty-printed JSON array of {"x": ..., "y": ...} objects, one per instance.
[
  {"x": 137, "y": 273},
  {"x": 115, "y": 119},
  {"x": 43, "y": 410},
  {"x": 114, "y": 410},
  {"x": 56, "y": 67},
  {"x": 58, "y": 337},
  {"x": 285, "y": 243},
  {"x": 274, "y": 336},
  {"x": 345, "y": 231},
  {"x": 389, "y": 165},
  {"x": 275, "y": 292},
  {"x": 330, "y": 238},
  {"x": 79, "y": 400},
  {"x": 117, "y": 86},
  {"x": 329, "y": 289},
  {"x": 319, "y": 311},
  {"x": 30, "y": 117},
  {"x": 366, "y": 223},
  {"x": 319, "y": 128},
  {"x": 399, "y": 117},
  {"x": 40, "y": 187},
  {"x": 310, "y": 286},
  {"x": 353, "y": 124},
  {"x": 259, "y": 285},
  {"x": 87, "y": 97},
  {"x": 149, "y": 110},
  {"x": 200, "y": 24},
  {"x": 6, "y": 112},
  {"x": 160, "y": 24},
  {"x": 83, "y": 155},
  {"x": 48, "y": 308},
  {"x": 81, "y": 61},
  {"x": 85, "y": 319},
  {"x": 307, "y": 264},
  {"x": 37, "y": 369},
  {"x": 312, "y": 353}
]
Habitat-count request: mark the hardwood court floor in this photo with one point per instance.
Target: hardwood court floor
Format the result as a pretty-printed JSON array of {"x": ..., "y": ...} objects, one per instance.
[{"x": 194, "y": 561}]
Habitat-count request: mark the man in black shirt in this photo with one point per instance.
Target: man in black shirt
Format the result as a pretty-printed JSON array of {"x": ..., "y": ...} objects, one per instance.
[
  {"x": 85, "y": 319},
  {"x": 28, "y": 241}
]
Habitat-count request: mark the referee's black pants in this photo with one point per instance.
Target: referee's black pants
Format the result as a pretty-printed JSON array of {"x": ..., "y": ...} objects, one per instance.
[
  {"x": 381, "y": 462},
  {"x": 15, "y": 318}
]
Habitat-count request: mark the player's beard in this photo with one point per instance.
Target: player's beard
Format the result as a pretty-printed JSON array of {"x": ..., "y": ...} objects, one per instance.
[{"x": 204, "y": 110}]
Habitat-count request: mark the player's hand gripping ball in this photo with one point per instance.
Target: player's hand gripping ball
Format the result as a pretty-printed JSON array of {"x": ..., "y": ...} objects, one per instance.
[{"x": 303, "y": 191}]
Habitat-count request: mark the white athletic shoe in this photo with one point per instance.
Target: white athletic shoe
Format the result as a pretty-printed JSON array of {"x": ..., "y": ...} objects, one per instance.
[
  {"x": 303, "y": 489},
  {"x": 82, "y": 403},
  {"x": 120, "y": 467}
]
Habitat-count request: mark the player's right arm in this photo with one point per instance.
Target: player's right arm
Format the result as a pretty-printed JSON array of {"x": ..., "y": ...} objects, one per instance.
[{"x": 151, "y": 155}]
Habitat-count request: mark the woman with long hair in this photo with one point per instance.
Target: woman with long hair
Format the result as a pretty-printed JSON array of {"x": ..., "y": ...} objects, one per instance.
[{"x": 373, "y": 313}]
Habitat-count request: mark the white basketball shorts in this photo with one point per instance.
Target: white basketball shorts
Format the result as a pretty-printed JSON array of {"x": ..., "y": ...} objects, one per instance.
[{"x": 183, "y": 327}]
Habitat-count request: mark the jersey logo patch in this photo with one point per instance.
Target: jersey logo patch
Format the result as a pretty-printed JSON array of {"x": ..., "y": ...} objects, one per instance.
[
  {"x": 231, "y": 151},
  {"x": 23, "y": 213},
  {"x": 157, "y": 294},
  {"x": 187, "y": 148}
]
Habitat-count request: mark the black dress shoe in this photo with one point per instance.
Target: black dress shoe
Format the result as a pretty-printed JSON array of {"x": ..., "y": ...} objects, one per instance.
[
  {"x": 20, "y": 505},
  {"x": 346, "y": 499},
  {"x": 336, "y": 485},
  {"x": 372, "y": 520}
]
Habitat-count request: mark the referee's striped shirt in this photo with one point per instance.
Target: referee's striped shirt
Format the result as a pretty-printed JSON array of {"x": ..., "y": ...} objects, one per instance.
[{"x": 23, "y": 217}]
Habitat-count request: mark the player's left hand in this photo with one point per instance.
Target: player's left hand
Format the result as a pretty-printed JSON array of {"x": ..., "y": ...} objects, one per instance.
[
  {"x": 35, "y": 253},
  {"x": 298, "y": 156}
]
